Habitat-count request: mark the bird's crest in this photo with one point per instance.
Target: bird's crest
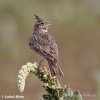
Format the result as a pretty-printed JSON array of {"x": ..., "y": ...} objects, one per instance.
[{"x": 38, "y": 18}]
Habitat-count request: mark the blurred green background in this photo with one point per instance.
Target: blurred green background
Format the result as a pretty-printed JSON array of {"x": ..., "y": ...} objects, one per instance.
[{"x": 76, "y": 28}]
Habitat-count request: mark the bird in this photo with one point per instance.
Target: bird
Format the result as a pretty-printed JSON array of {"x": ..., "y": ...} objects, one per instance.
[{"x": 44, "y": 44}]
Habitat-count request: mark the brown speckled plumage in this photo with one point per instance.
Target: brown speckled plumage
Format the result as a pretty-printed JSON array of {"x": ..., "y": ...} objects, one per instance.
[{"x": 44, "y": 44}]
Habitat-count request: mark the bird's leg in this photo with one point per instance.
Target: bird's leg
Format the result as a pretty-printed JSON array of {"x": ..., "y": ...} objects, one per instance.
[{"x": 41, "y": 61}]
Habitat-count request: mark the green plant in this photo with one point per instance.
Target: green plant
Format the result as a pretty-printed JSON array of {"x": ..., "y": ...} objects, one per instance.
[{"x": 52, "y": 86}]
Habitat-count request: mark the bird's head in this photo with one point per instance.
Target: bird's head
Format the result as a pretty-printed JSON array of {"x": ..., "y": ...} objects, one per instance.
[{"x": 41, "y": 24}]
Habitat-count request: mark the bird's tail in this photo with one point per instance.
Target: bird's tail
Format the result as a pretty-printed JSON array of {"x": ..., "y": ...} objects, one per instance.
[{"x": 55, "y": 70}]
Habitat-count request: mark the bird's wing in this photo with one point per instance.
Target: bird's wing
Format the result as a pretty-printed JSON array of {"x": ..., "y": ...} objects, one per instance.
[
  {"x": 45, "y": 46},
  {"x": 50, "y": 51}
]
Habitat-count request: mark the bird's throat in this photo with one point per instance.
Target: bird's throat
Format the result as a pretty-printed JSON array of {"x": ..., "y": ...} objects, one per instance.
[{"x": 44, "y": 30}]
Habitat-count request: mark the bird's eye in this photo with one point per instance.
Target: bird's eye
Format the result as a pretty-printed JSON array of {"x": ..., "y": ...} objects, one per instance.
[{"x": 42, "y": 23}]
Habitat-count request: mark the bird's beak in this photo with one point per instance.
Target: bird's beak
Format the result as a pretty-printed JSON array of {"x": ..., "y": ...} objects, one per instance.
[{"x": 47, "y": 23}]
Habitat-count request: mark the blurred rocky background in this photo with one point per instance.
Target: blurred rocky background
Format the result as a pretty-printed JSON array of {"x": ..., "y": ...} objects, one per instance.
[{"x": 76, "y": 28}]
